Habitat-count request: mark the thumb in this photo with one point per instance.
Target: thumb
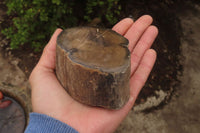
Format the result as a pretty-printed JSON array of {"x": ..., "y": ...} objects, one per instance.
[{"x": 47, "y": 59}]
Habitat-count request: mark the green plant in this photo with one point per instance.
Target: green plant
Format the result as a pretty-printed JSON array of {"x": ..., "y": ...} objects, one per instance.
[
  {"x": 105, "y": 9},
  {"x": 33, "y": 21}
]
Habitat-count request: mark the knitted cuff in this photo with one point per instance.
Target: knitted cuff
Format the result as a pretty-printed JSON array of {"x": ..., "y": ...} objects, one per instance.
[{"x": 40, "y": 123}]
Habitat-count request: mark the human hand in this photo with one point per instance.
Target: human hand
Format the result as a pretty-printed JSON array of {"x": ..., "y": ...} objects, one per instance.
[{"x": 50, "y": 98}]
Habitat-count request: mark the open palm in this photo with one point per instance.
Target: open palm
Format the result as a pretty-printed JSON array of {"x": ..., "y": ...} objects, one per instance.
[{"x": 50, "y": 98}]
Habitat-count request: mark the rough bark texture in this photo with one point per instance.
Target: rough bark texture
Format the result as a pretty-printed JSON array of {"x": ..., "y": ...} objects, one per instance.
[{"x": 93, "y": 65}]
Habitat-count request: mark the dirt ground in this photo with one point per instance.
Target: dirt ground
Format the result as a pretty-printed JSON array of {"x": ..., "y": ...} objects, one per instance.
[{"x": 170, "y": 101}]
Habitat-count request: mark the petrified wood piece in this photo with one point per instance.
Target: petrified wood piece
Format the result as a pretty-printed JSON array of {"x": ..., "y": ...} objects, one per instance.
[{"x": 93, "y": 65}]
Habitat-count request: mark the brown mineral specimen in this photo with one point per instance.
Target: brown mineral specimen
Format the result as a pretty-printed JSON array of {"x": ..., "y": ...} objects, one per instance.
[{"x": 93, "y": 65}]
